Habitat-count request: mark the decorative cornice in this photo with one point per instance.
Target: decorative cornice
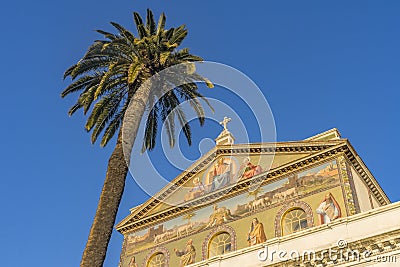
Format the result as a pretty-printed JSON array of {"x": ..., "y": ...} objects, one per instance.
[
  {"x": 366, "y": 175},
  {"x": 375, "y": 245}
]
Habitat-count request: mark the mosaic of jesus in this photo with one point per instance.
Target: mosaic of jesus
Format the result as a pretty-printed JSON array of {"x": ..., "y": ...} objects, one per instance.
[{"x": 221, "y": 174}]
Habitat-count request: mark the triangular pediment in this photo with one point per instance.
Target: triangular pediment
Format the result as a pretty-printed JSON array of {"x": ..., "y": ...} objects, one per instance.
[{"x": 245, "y": 162}]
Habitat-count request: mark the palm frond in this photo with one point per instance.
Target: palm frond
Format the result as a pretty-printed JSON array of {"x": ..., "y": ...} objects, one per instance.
[
  {"x": 107, "y": 35},
  {"x": 104, "y": 117},
  {"x": 113, "y": 126},
  {"x": 114, "y": 73},
  {"x": 151, "y": 128},
  {"x": 124, "y": 32},
  {"x": 74, "y": 108},
  {"x": 80, "y": 84},
  {"x": 161, "y": 23},
  {"x": 184, "y": 123},
  {"x": 139, "y": 25},
  {"x": 167, "y": 120},
  {"x": 150, "y": 22},
  {"x": 178, "y": 35},
  {"x": 89, "y": 66},
  {"x": 133, "y": 71}
]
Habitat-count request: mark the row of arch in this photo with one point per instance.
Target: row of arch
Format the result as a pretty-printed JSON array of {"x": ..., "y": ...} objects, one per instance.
[
  {"x": 219, "y": 241},
  {"x": 291, "y": 218}
]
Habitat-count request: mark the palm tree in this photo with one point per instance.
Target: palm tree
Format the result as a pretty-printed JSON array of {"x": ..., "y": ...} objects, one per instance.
[{"x": 110, "y": 76}]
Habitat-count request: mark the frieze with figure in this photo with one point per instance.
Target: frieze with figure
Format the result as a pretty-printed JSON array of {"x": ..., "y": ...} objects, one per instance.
[
  {"x": 237, "y": 207},
  {"x": 223, "y": 172}
]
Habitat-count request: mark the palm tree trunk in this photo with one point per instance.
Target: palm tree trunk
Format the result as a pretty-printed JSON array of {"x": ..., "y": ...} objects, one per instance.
[
  {"x": 103, "y": 223},
  {"x": 113, "y": 188}
]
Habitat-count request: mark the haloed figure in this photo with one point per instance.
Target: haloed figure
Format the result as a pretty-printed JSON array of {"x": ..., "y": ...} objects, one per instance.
[
  {"x": 220, "y": 175},
  {"x": 197, "y": 190},
  {"x": 256, "y": 234},
  {"x": 187, "y": 255},
  {"x": 248, "y": 169},
  {"x": 328, "y": 210}
]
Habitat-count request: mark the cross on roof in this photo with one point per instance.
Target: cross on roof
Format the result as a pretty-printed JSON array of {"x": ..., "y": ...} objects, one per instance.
[{"x": 224, "y": 122}]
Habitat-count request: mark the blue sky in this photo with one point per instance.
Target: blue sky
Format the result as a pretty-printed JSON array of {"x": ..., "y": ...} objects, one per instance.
[{"x": 320, "y": 65}]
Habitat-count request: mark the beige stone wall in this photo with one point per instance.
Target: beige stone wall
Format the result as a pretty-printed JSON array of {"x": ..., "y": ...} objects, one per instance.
[{"x": 364, "y": 195}]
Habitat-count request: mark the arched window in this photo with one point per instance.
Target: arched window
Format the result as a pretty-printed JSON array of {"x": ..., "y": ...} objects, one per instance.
[
  {"x": 220, "y": 240},
  {"x": 292, "y": 217},
  {"x": 220, "y": 243},
  {"x": 157, "y": 260},
  {"x": 294, "y": 220}
]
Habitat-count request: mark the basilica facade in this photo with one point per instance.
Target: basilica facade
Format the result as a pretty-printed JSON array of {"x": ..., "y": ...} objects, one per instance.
[{"x": 311, "y": 202}]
